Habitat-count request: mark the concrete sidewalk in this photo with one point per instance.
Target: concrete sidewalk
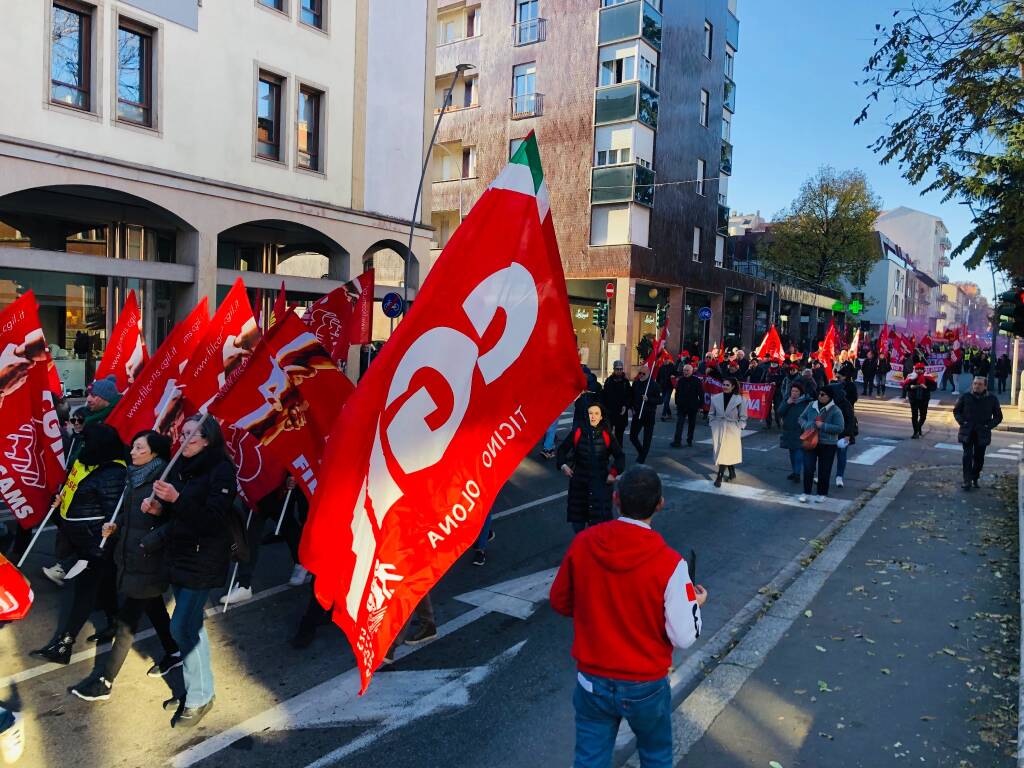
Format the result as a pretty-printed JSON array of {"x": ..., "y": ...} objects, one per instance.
[{"x": 909, "y": 653}]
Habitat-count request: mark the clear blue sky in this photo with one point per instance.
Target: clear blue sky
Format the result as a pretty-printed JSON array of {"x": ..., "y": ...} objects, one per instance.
[{"x": 796, "y": 100}]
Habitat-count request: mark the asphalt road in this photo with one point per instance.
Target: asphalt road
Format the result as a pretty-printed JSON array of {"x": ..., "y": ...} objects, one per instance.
[{"x": 496, "y": 687}]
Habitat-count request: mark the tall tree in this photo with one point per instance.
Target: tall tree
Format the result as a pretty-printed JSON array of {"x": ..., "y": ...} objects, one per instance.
[
  {"x": 954, "y": 71},
  {"x": 826, "y": 233}
]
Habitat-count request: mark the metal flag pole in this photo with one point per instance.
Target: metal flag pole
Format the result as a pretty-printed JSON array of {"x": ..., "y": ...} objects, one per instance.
[
  {"x": 284, "y": 508},
  {"x": 234, "y": 571},
  {"x": 81, "y": 565},
  {"x": 39, "y": 530}
]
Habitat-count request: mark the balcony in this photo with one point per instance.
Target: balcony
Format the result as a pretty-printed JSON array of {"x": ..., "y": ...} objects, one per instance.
[
  {"x": 633, "y": 19},
  {"x": 526, "y": 105},
  {"x": 729, "y": 96},
  {"x": 726, "y": 165},
  {"x": 723, "y": 217},
  {"x": 629, "y": 183},
  {"x": 732, "y": 31},
  {"x": 629, "y": 101},
  {"x": 529, "y": 32}
]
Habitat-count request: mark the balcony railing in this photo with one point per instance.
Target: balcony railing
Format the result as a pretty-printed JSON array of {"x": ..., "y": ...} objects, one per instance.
[
  {"x": 629, "y": 101},
  {"x": 530, "y": 31},
  {"x": 729, "y": 97},
  {"x": 732, "y": 31},
  {"x": 622, "y": 184},
  {"x": 526, "y": 105},
  {"x": 633, "y": 19},
  {"x": 726, "y": 166}
]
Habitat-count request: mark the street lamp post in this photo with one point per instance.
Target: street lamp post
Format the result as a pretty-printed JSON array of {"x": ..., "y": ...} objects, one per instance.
[{"x": 459, "y": 69}]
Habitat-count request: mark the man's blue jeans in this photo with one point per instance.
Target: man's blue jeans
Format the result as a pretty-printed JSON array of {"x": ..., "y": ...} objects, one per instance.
[
  {"x": 549, "y": 436},
  {"x": 190, "y": 635},
  {"x": 602, "y": 702},
  {"x": 796, "y": 461},
  {"x": 841, "y": 460}
]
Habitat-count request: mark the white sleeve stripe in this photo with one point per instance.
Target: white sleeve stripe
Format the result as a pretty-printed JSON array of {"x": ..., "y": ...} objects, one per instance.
[{"x": 682, "y": 615}]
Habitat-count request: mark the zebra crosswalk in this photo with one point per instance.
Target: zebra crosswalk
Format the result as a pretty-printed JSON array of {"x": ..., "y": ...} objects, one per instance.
[{"x": 1009, "y": 453}]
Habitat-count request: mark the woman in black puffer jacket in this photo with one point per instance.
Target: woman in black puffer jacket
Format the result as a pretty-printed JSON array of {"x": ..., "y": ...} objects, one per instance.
[
  {"x": 91, "y": 492},
  {"x": 199, "y": 499},
  {"x": 591, "y": 458},
  {"x": 137, "y": 544}
]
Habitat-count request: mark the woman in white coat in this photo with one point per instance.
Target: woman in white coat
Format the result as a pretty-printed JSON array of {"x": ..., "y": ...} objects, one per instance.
[{"x": 728, "y": 418}]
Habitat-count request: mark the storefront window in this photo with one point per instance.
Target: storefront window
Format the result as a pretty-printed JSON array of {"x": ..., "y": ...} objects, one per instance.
[
  {"x": 645, "y": 332},
  {"x": 588, "y": 335},
  {"x": 732, "y": 319},
  {"x": 695, "y": 330}
]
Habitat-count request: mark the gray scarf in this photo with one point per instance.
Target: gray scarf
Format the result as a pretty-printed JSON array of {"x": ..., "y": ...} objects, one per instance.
[{"x": 146, "y": 473}]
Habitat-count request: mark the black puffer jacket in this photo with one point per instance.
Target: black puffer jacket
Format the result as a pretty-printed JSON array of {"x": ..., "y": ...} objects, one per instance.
[
  {"x": 93, "y": 504},
  {"x": 199, "y": 542},
  {"x": 979, "y": 414},
  {"x": 140, "y": 544},
  {"x": 592, "y": 454},
  {"x": 617, "y": 395},
  {"x": 689, "y": 394}
]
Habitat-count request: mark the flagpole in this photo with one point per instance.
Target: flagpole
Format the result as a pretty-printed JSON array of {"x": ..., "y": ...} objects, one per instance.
[
  {"x": 39, "y": 531},
  {"x": 284, "y": 508},
  {"x": 177, "y": 455},
  {"x": 234, "y": 571}
]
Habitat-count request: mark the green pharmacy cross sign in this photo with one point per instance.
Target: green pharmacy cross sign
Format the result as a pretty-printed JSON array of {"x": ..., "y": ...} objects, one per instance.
[{"x": 854, "y": 308}]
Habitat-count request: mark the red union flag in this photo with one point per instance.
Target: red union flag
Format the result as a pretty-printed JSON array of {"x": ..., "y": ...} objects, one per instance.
[
  {"x": 31, "y": 451},
  {"x": 151, "y": 401},
  {"x": 15, "y": 593},
  {"x": 445, "y": 414},
  {"x": 126, "y": 351},
  {"x": 343, "y": 317},
  {"x": 771, "y": 346},
  {"x": 286, "y": 397}
]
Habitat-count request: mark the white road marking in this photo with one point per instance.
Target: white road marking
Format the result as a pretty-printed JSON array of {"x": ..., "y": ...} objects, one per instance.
[
  {"x": 516, "y": 597},
  {"x": 527, "y": 505},
  {"x": 1010, "y": 454},
  {"x": 749, "y": 493},
  {"x": 883, "y": 440},
  {"x": 872, "y": 455}
]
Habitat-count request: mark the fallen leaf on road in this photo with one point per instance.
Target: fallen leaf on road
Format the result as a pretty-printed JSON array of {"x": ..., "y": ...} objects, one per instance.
[
  {"x": 949, "y": 651},
  {"x": 774, "y": 764},
  {"x": 819, "y": 648},
  {"x": 808, "y": 613},
  {"x": 927, "y": 718},
  {"x": 823, "y": 687},
  {"x": 886, "y": 671}
]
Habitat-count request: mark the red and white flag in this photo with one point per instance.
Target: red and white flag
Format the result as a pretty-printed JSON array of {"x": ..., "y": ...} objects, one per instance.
[
  {"x": 855, "y": 343},
  {"x": 445, "y": 414},
  {"x": 770, "y": 347},
  {"x": 31, "y": 449},
  {"x": 828, "y": 350},
  {"x": 152, "y": 402},
  {"x": 280, "y": 308},
  {"x": 15, "y": 592},
  {"x": 228, "y": 342},
  {"x": 126, "y": 351},
  {"x": 658, "y": 352},
  {"x": 343, "y": 317},
  {"x": 287, "y": 396}
]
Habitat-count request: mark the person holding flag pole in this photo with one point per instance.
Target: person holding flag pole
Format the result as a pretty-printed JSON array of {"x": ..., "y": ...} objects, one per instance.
[{"x": 644, "y": 394}]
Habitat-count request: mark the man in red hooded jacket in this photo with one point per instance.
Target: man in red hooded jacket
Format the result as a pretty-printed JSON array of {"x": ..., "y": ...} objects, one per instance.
[
  {"x": 631, "y": 600},
  {"x": 917, "y": 389}
]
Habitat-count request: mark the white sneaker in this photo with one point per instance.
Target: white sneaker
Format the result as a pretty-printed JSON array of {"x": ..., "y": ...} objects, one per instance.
[
  {"x": 237, "y": 595},
  {"x": 55, "y": 573},
  {"x": 839, "y": 481},
  {"x": 300, "y": 576},
  {"x": 819, "y": 499},
  {"x": 803, "y": 498},
  {"x": 12, "y": 740}
]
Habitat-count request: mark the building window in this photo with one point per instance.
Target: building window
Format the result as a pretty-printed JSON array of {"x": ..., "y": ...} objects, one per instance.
[
  {"x": 705, "y": 105},
  {"x": 70, "y": 49},
  {"x": 277, "y": 5},
  {"x": 134, "y": 74},
  {"x": 524, "y": 89},
  {"x": 473, "y": 22},
  {"x": 527, "y": 22},
  {"x": 469, "y": 95},
  {"x": 699, "y": 186},
  {"x": 613, "y": 156},
  {"x": 268, "y": 116},
  {"x": 307, "y": 132},
  {"x": 609, "y": 3},
  {"x": 696, "y": 244},
  {"x": 618, "y": 70},
  {"x": 469, "y": 162},
  {"x": 726, "y": 126},
  {"x": 719, "y": 251},
  {"x": 311, "y": 12},
  {"x": 709, "y": 36},
  {"x": 730, "y": 61},
  {"x": 648, "y": 73}
]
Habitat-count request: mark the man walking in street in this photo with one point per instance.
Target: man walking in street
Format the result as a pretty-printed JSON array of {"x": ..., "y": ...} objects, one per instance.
[
  {"x": 918, "y": 389},
  {"x": 646, "y": 396},
  {"x": 978, "y": 413},
  {"x": 631, "y": 600},
  {"x": 616, "y": 398},
  {"x": 689, "y": 401}
]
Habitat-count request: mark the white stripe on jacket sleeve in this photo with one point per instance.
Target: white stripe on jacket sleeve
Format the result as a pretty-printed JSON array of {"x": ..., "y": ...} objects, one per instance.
[{"x": 682, "y": 615}]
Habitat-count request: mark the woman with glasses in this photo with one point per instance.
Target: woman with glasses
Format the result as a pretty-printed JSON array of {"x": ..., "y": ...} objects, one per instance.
[{"x": 821, "y": 424}]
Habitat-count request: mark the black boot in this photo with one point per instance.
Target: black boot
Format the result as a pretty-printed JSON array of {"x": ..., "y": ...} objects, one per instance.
[
  {"x": 58, "y": 651},
  {"x": 718, "y": 480},
  {"x": 732, "y": 473},
  {"x": 966, "y": 484}
]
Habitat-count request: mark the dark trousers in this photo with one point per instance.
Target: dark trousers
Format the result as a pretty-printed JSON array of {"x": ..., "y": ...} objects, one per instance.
[
  {"x": 127, "y": 624},
  {"x": 918, "y": 414},
  {"x": 869, "y": 385},
  {"x": 315, "y": 614},
  {"x": 647, "y": 427},
  {"x": 880, "y": 384},
  {"x": 269, "y": 510},
  {"x": 690, "y": 417},
  {"x": 1001, "y": 384},
  {"x": 974, "y": 458},
  {"x": 821, "y": 458},
  {"x": 619, "y": 424},
  {"x": 89, "y": 590},
  {"x": 666, "y": 403}
]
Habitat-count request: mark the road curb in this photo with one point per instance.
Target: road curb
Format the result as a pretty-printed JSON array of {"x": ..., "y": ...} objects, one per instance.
[
  {"x": 725, "y": 661},
  {"x": 1020, "y": 595}
]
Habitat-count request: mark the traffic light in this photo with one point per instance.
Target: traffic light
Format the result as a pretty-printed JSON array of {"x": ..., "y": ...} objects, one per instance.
[
  {"x": 662, "y": 314},
  {"x": 1011, "y": 311},
  {"x": 601, "y": 316}
]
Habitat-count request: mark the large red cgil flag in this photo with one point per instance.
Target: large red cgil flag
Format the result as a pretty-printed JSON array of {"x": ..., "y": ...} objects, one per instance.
[
  {"x": 287, "y": 396},
  {"x": 151, "y": 400},
  {"x": 126, "y": 353},
  {"x": 229, "y": 340},
  {"x": 444, "y": 415},
  {"x": 15, "y": 592},
  {"x": 828, "y": 352},
  {"x": 31, "y": 449}
]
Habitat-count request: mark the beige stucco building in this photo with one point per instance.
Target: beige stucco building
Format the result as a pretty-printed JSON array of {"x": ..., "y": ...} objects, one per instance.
[{"x": 171, "y": 146}]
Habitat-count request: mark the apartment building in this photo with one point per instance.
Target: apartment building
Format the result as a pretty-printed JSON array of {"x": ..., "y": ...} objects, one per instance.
[
  {"x": 171, "y": 146},
  {"x": 632, "y": 102}
]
